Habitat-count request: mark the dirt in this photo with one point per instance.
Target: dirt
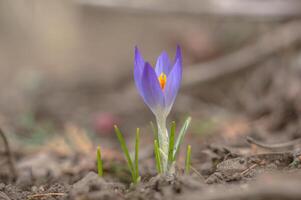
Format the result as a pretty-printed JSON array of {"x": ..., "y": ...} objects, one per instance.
[{"x": 222, "y": 173}]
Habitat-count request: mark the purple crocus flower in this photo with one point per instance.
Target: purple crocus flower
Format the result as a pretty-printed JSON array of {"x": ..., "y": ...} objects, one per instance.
[{"x": 158, "y": 86}]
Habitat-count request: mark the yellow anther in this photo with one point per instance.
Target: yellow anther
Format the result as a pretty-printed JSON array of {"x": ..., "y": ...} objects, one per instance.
[{"x": 162, "y": 80}]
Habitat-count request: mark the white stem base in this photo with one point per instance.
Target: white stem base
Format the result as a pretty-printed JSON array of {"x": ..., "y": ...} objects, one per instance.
[{"x": 163, "y": 138}]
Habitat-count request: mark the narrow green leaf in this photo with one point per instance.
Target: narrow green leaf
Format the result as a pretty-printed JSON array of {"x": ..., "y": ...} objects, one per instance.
[
  {"x": 155, "y": 131},
  {"x": 99, "y": 162},
  {"x": 125, "y": 151},
  {"x": 171, "y": 143},
  {"x": 157, "y": 157},
  {"x": 181, "y": 136},
  {"x": 188, "y": 160},
  {"x": 137, "y": 153}
]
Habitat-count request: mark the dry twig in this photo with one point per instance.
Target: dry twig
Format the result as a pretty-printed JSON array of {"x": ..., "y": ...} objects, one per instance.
[
  {"x": 245, "y": 172},
  {"x": 45, "y": 195},
  {"x": 8, "y": 154},
  {"x": 197, "y": 173},
  {"x": 274, "y": 146}
]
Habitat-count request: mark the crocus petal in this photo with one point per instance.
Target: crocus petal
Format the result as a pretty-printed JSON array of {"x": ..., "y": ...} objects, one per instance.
[
  {"x": 178, "y": 55},
  {"x": 163, "y": 64},
  {"x": 152, "y": 92},
  {"x": 138, "y": 70},
  {"x": 173, "y": 84}
]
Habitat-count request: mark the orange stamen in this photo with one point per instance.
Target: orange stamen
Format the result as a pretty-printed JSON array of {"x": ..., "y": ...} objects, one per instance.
[{"x": 162, "y": 80}]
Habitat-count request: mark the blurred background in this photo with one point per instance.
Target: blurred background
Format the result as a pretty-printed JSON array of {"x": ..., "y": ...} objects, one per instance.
[{"x": 70, "y": 64}]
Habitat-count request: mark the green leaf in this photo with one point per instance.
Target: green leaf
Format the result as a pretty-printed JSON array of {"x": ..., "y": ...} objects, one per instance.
[
  {"x": 157, "y": 157},
  {"x": 171, "y": 143},
  {"x": 137, "y": 154},
  {"x": 126, "y": 152},
  {"x": 188, "y": 160},
  {"x": 99, "y": 162},
  {"x": 181, "y": 136}
]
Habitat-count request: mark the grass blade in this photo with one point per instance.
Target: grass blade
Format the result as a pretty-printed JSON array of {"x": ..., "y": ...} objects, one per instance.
[
  {"x": 170, "y": 157},
  {"x": 137, "y": 142},
  {"x": 157, "y": 157},
  {"x": 125, "y": 151},
  {"x": 181, "y": 136},
  {"x": 99, "y": 162},
  {"x": 188, "y": 160}
]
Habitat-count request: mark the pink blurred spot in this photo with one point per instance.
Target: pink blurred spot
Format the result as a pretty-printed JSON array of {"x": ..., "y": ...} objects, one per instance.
[{"x": 103, "y": 123}]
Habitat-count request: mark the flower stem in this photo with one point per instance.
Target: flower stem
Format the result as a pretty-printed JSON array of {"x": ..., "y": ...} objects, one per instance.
[{"x": 163, "y": 142}]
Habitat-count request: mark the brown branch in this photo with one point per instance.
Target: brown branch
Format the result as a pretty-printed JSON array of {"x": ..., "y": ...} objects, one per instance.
[
  {"x": 274, "y": 146},
  {"x": 9, "y": 154},
  {"x": 269, "y": 44},
  {"x": 256, "y": 9}
]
